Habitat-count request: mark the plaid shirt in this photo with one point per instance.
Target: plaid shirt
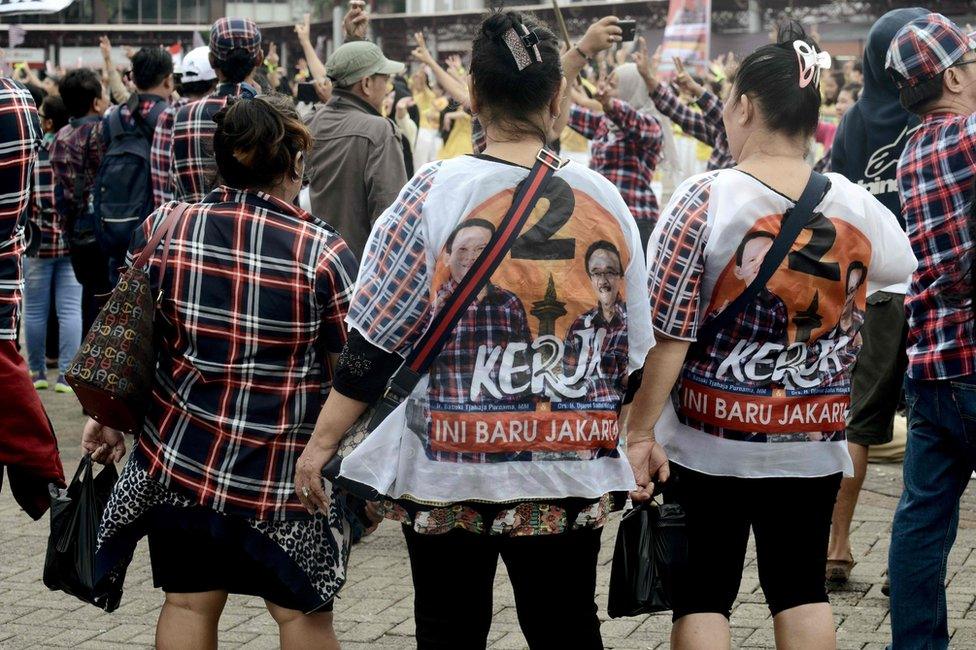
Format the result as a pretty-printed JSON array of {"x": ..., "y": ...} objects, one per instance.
[
  {"x": 479, "y": 138},
  {"x": 391, "y": 314},
  {"x": 935, "y": 179},
  {"x": 765, "y": 320},
  {"x": 610, "y": 384},
  {"x": 626, "y": 150},
  {"x": 42, "y": 211},
  {"x": 192, "y": 165},
  {"x": 677, "y": 262},
  {"x": 255, "y": 295},
  {"x": 494, "y": 320},
  {"x": 21, "y": 133},
  {"x": 706, "y": 126},
  {"x": 68, "y": 160},
  {"x": 161, "y": 154},
  {"x": 823, "y": 165}
]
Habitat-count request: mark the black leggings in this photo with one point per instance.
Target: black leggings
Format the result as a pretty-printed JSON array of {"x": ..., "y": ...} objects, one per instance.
[
  {"x": 553, "y": 577},
  {"x": 790, "y": 518}
]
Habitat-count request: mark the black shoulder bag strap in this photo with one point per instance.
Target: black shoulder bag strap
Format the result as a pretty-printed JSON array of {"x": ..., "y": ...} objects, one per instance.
[
  {"x": 144, "y": 124},
  {"x": 425, "y": 351},
  {"x": 794, "y": 221}
]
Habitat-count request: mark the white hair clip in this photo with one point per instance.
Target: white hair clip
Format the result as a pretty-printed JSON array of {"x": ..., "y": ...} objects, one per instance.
[{"x": 811, "y": 62}]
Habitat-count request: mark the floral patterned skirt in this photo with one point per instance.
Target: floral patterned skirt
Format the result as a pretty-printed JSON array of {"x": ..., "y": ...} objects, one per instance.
[
  {"x": 307, "y": 557},
  {"x": 518, "y": 519}
]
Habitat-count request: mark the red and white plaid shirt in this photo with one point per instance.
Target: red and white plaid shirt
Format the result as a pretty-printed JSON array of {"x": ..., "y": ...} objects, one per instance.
[
  {"x": 626, "y": 149},
  {"x": 705, "y": 126},
  {"x": 936, "y": 174},
  {"x": 42, "y": 211},
  {"x": 192, "y": 166},
  {"x": 161, "y": 154},
  {"x": 255, "y": 295},
  {"x": 20, "y": 132},
  {"x": 611, "y": 381}
]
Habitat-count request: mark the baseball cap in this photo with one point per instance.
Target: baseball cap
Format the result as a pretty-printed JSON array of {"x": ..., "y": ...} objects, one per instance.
[
  {"x": 229, "y": 34},
  {"x": 196, "y": 66},
  {"x": 358, "y": 60},
  {"x": 925, "y": 47}
]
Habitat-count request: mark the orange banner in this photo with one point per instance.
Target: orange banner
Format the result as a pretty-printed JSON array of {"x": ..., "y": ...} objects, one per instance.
[
  {"x": 528, "y": 431},
  {"x": 762, "y": 414}
]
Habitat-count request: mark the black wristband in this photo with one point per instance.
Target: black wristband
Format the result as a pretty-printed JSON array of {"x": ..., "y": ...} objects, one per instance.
[
  {"x": 633, "y": 384},
  {"x": 364, "y": 369}
]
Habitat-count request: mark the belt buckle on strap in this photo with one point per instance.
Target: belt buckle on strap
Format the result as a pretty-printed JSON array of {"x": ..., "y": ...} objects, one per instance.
[{"x": 550, "y": 160}]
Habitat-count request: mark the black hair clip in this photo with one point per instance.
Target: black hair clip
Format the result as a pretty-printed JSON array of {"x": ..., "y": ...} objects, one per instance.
[{"x": 523, "y": 43}]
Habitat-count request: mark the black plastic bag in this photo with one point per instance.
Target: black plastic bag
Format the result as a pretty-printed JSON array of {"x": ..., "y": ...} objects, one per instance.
[
  {"x": 651, "y": 550},
  {"x": 75, "y": 515}
]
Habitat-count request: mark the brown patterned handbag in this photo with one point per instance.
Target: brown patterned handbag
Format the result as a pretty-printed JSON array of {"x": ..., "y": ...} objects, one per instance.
[{"x": 112, "y": 373}]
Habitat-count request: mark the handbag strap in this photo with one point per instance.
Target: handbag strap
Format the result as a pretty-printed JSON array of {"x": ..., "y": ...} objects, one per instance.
[
  {"x": 422, "y": 355},
  {"x": 165, "y": 229},
  {"x": 794, "y": 221}
]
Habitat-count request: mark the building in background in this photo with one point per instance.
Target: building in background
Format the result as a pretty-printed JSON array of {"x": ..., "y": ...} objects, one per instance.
[{"x": 70, "y": 37}]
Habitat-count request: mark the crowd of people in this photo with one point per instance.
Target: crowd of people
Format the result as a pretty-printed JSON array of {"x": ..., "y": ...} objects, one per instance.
[{"x": 652, "y": 326}]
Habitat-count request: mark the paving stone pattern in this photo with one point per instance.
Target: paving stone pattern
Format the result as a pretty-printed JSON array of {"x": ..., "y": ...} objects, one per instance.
[{"x": 375, "y": 608}]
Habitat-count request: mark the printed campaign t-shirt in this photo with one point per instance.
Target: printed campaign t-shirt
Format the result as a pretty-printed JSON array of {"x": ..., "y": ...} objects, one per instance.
[
  {"x": 522, "y": 402},
  {"x": 769, "y": 395}
]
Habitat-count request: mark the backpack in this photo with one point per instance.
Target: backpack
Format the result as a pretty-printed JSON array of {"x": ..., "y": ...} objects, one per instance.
[{"x": 122, "y": 197}]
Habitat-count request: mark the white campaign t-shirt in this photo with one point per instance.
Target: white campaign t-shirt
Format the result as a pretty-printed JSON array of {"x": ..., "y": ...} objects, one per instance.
[
  {"x": 522, "y": 402},
  {"x": 769, "y": 395}
]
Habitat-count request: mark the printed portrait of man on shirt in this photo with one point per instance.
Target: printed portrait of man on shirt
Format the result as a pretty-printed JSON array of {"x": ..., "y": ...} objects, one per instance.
[
  {"x": 495, "y": 319},
  {"x": 851, "y": 317},
  {"x": 765, "y": 319},
  {"x": 601, "y": 331}
]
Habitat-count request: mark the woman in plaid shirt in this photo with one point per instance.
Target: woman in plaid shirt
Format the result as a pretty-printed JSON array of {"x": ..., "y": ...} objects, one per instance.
[
  {"x": 626, "y": 145},
  {"x": 252, "y": 316}
]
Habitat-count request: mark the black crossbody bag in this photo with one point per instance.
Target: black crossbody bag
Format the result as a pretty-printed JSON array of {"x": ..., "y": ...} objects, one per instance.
[{"x": 794, "y": 221}]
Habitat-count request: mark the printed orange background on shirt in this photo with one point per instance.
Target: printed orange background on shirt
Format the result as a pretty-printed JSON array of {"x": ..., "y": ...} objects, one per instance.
[
  {"x": 529, "y": 279},
  {"x": 539, "y": 366},
  {"x": 814, "y": 291}
]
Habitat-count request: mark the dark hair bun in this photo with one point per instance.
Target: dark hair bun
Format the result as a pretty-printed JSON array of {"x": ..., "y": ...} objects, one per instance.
[
  {"x": 257, "y": 141},
  {"x": 509, "y": 97},
  {"x": 792, "y": 30},
  {"x": 770, "y": 76},
  {"x": 496, "y": 24}
]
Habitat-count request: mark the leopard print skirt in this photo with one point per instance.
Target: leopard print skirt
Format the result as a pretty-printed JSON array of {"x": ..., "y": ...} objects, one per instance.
[{"x": 317, "y": 549}]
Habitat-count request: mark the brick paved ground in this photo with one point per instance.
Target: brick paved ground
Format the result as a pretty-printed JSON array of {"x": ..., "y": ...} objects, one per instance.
[{"x": 375, "y": 608}]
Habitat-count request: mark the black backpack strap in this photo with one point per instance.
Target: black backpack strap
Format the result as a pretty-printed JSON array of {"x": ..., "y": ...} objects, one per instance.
[
  {"x": 113, "y": 126},
  {"x": 146, "y": 124},
  {"x": 153, "y": 118},
  {"x": 794, "y": 221}
]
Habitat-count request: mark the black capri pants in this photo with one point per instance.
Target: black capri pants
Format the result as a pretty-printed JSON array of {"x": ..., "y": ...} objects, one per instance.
[{"x": 790, "y": 518}]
